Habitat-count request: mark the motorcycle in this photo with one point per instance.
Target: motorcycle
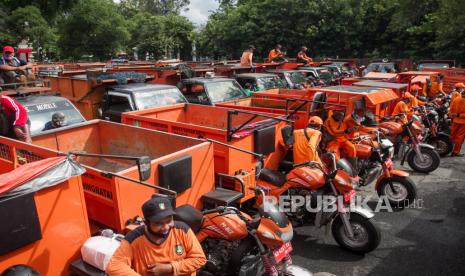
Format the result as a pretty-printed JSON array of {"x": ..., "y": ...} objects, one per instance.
[
  {"x": 375, "y": 163},
  {"x": 238, "y": 244},
  {"x": 407, "y": 139},
  {"x": 432, "y": 135},
  {"x": 352, "y": 228}
]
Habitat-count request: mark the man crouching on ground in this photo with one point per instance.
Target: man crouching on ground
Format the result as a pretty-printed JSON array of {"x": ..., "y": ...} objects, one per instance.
[{"x": 161, "y": 247}]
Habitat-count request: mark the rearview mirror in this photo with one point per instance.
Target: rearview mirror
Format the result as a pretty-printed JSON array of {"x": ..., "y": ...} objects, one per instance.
[{"x": 145, "y": 167}]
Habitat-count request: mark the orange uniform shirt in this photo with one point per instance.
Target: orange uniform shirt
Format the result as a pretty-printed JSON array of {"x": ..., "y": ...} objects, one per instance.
[
  {"x": 336, "y": 129},
  {"x": 350, "y": 123},
  {"x": 246, "y": 58},
  {"x": 274, "y": 54},
  {"x": 458, "y": 107},
  {"x": 304, "y": 149},
  {"x": 136, "y": 252},
  {"x": 436, "y": 89},
  {"x": 454, "y": 95},
  {"x": 402, "y": 107}
]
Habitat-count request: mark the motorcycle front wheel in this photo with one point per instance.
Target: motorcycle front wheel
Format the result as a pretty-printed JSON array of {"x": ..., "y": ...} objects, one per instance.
[
  {"x": 246, "y": 259},
  {"x": 442, "y": 143},
  {"x": 431, "y": 160},
  {"x": 366, "y": 235},
  {"x": 405, "y": 191}
]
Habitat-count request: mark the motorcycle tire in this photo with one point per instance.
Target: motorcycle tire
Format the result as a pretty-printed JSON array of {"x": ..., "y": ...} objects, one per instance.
[
  {"x": 431, "y": 154},
  {"x": 247, "y": 246},
  {"x": 360, "y": 225},
  {"x": 408, "y": 191},
  {"x": 442, "y": 143}
]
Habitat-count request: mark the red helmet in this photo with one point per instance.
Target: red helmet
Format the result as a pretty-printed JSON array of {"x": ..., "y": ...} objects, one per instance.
[{"x": 315, "y": 120}]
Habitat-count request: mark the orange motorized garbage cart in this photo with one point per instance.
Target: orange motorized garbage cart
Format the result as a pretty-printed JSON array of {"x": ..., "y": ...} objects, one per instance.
[
  {"x": 44, "y": 218},
  {"x": 377, "y": 100},
  {"x": 240, "y": 137},
  {"x": 112, "y": 197}
]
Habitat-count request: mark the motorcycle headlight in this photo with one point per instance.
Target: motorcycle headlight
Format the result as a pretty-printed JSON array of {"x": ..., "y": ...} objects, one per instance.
[{"x": 287, "y": 236}]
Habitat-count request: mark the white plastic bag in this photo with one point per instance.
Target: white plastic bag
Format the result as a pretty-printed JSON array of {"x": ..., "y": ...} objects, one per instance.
[{"x": 97, "y": 251}]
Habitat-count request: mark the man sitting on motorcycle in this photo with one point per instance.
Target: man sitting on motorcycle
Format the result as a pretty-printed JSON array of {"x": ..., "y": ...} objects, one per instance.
[
  {"x": 337, "y": 128},
  {"x": 404, "y": 107},
  {"x": 414, "y": 91},
  {"x": 306, "y": 141},
  {"x": 161, "y": 247},
  {"x": 457, "y": 113}
]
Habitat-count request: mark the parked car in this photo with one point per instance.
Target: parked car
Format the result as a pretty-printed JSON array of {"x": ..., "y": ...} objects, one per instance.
[
  {"x": 211, "y": 90},
  {"x": 320, "y": 75},
  {"x": 260, "y": 81},
  {"x": 40, "y": 109},
  {"x": 137, "y": 96},
  {"x": 292, "y": 78}
]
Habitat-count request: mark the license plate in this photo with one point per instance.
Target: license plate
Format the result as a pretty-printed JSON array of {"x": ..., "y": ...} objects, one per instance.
[
  {"x": 389, "y": 163},
  {"x": 282, "y": 252},
  {"x": 349, "y": 195}
]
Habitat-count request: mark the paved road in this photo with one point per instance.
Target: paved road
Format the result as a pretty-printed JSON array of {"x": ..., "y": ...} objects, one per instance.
[{"x": 418, "y": 241}]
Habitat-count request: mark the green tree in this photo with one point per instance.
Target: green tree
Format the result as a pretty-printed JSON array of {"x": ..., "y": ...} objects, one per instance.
[
  {"x": 160, "y": 35},
  {"x": 156, "y": 7},
  {"x": 49, "y": 8},
  {"x": 92, "y": 27},
  {"x": 28, "y": 23}
]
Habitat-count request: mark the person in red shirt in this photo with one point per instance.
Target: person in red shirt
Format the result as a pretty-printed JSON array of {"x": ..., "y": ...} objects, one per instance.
[
  {"x": 161, "y": 247},
  {"x": 15, "y": 123},
  {"x": 13, "y": 69}
]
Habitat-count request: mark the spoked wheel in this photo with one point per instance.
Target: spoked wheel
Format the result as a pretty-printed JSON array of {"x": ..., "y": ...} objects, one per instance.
[
  {"x": 404, "y": 192},
  {"x": 366, "y": 234},
  {"x": 431, "y": 160},
  {"x": 443, "y": 145}
]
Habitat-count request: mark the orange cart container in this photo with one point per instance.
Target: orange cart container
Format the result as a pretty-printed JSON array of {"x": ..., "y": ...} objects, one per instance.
[
  {"x": 112, "y": 200},
  {"x": 218, "y": 124},
  {"x": 85, "y": 93},
  {"x": 377, "y": 100},
  {"x": 56, "y": 222}
]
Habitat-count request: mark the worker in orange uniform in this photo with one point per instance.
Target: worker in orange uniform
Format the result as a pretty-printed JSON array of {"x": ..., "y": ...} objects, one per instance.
[
  {"x": 302, "y": 56},
  {"x": 276, "y": 55},
  {"x": 337, "y": 128},
  {"x": 436, "y": 86},
  {"x": 414, "y": 91},
  {"x": 404, "y": 107},
  {"x": 306, "y": 141},
  {"x": 355, "y": 123},
  {"x": 458, "y": 89},
  {"x": 457, "y": 113},
  {"x": 161, "y": 247},
  {"x": 247, "y": 55}
]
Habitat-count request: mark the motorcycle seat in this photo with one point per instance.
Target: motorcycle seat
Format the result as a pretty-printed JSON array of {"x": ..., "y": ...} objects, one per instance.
[
  {"x": 189, "y": 215},
  {"x": 273, "y": 177}
]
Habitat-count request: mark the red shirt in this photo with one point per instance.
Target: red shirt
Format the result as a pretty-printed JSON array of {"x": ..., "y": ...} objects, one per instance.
[{"x": 13, "y": 110}]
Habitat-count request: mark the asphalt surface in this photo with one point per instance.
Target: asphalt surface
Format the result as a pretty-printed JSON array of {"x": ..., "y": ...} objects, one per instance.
[{"x": 428, "y": 239}]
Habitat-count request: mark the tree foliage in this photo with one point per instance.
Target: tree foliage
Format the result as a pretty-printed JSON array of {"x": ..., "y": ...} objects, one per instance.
[
  {"x": 93, "y": 27},
  {"x": 344, "y": 28},
  {"x": 156, "y": 7}
]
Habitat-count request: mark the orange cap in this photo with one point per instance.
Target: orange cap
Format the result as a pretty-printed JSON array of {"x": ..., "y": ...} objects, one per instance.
[
  {"x": 315, "y": 120},
  {"x": 415, "y": 87}
]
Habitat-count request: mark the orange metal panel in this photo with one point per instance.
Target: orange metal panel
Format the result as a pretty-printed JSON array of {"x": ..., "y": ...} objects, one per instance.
[
  {"x": 65, "y": 227},
  {"x": 111, "y": 201}
]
